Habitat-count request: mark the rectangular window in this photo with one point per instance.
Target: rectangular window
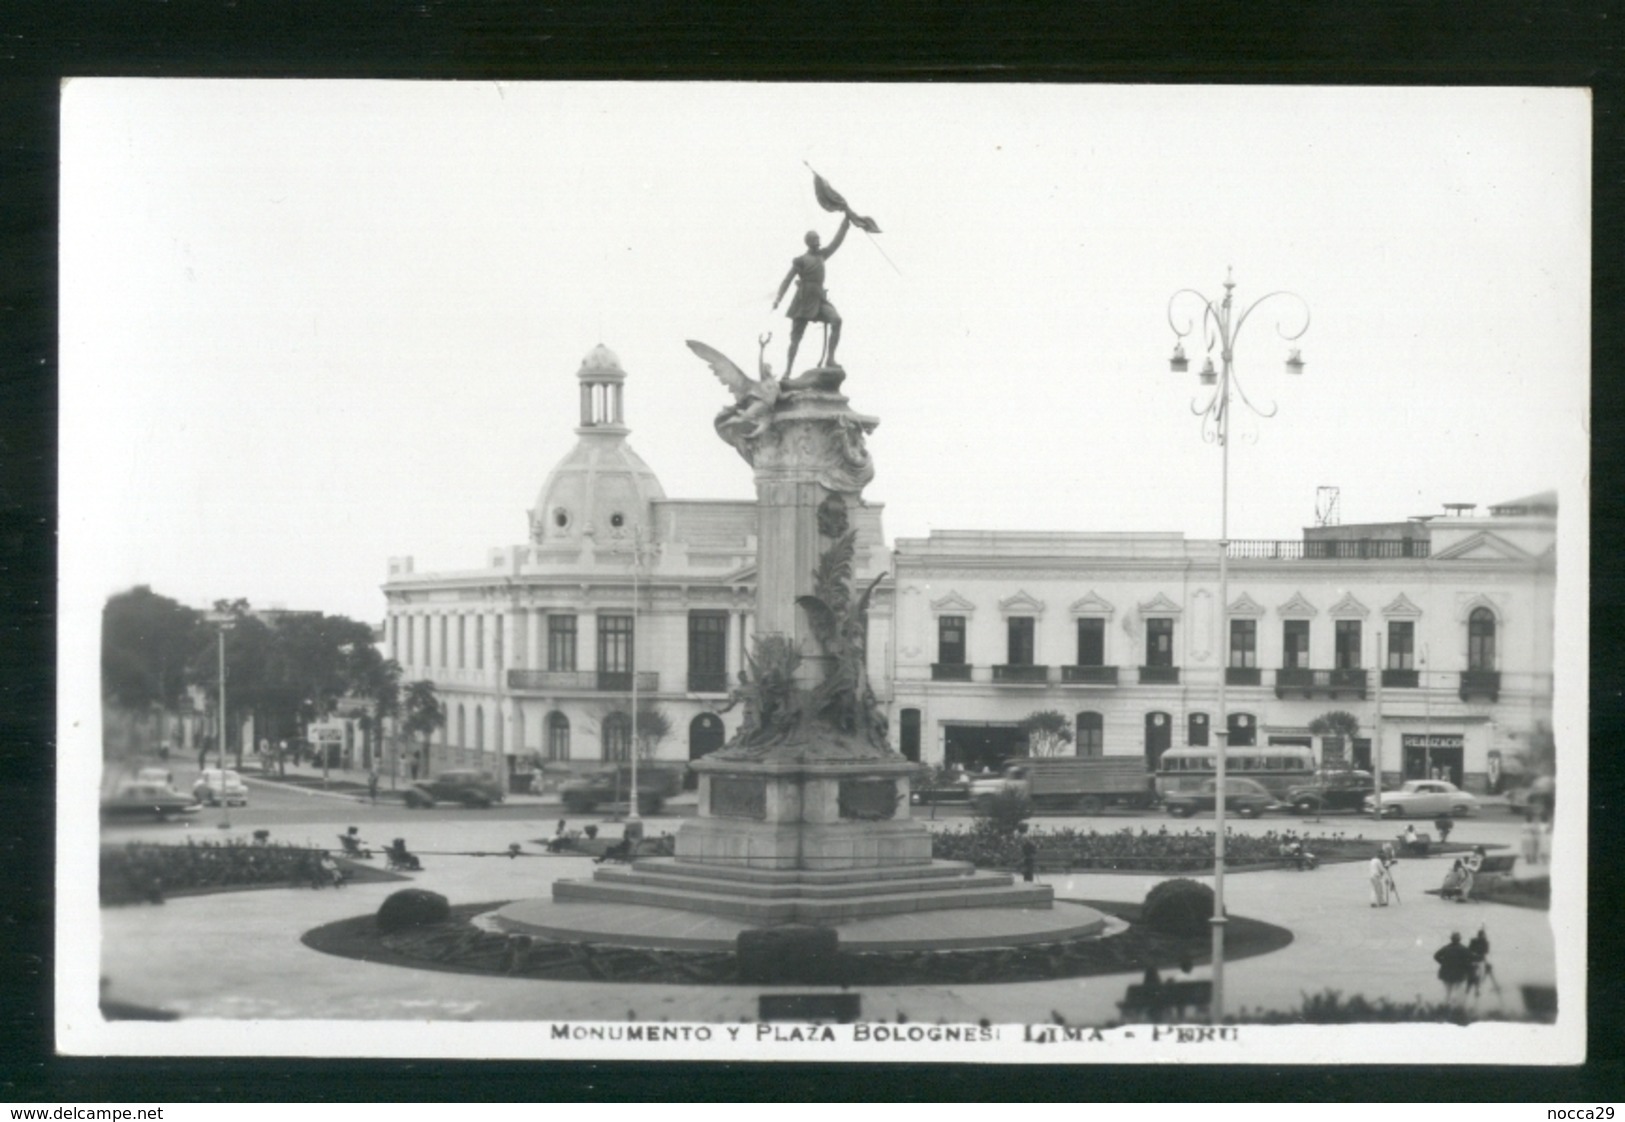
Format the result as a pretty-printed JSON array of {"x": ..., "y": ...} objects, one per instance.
[
  {"x": 1347, "y": 637},
  {"x": 411, "y": 640},
  {"x": 1091, "y": 734},
  {"x": 708, "y": 651},
  {"x": 951, "y": 640},
  {"x": 615, "y": 644},
  {"x": 1021, "y": 640},
  {"x": 1401, "y": 645},
  {"x": 1091, "y": 642},
  {"x": 479, "y": 641},
  {"x": 1159, "y": 642},
  {"x": 1295, "y": 644},
  {"x": 561, "y": 642},
  {"x": 1244, "y": 642},
  {"x": 444, "y": 622},
  {"x": 462, "y": 642}
]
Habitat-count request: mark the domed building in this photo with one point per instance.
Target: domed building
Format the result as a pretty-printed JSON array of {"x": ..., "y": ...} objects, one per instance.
[{"x": 621, "y": 598}]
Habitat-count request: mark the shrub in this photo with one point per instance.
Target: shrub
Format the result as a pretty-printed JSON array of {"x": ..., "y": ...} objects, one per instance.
[
  {"x": 412, "y": 907},
  {"x": 1178, "y": 907},
  {"x": 1004, "y": 812}
]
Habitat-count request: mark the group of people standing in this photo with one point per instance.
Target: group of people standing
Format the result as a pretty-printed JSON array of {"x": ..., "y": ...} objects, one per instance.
[{"x": 1463, "y": 969}]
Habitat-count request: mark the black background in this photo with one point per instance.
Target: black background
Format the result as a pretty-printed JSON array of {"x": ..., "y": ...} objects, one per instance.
[{"x": 1371, "y": 43}]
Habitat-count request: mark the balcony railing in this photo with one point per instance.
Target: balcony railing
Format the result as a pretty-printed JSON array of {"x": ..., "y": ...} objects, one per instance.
[
  {"x": 707, "y": 681},
  {"x": 1363, "y": 549},
  {"x": 1159, "y": 675},
  {"x": 1089, "y": 675},
  {"x": 950, "y": 671},
  {"x": 1400, "y": 679},
  {"x": 1482, "y": 684},
  {"x": 1021, "y": 674},
  {"x": 602, "y": 681},
  {"x": 1242, "y": 675},
  {"x": 1329, "y": 683}
]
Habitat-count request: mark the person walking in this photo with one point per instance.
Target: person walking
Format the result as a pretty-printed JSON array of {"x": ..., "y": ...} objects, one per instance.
[
  {"x": 372, "y": 783},
  {"x": 1029, "y": 859},
  {"x": 1377, "y": 873},
  {"x": 1479, "y": 948},
  {"x": 1455, "y": 965},
  {"x": 1470, "y": 866}
]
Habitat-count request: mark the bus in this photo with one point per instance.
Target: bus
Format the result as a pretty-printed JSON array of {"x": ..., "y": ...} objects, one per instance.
[{"x": 1276, "y": 766}]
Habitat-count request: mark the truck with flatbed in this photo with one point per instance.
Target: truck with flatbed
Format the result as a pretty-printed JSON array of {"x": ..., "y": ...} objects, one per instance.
[{"x": 1087, "y": 784}]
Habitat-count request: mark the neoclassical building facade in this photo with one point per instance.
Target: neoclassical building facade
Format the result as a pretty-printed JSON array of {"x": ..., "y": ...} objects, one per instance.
[
  {"x": 618, "y": 591},
  {"x": 1434, "y": 633}
]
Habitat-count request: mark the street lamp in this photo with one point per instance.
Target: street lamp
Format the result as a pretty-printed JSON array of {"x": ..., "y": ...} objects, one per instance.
[
  {"x": 640, "y": 546},
  {"x": 224, "y": 621},
  {"x": 1222, "y": 324}
]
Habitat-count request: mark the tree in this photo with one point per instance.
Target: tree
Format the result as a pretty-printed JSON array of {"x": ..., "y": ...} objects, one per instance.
[
  {"x": 1048, "y": 733},
  {"x": 1337, "y": 728},
  {"x": 424, "y": 711},
  {"x": 148, "y": 641},
  {"x": 376, "y": 680},
  {"x": 654, "y": 726}
]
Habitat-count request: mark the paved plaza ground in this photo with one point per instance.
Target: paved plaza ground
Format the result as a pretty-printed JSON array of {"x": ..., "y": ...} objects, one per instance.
[{"x": 239, "y": 955}]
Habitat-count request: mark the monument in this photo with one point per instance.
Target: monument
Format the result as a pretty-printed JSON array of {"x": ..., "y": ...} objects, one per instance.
[{"x": 805, "y": 816}]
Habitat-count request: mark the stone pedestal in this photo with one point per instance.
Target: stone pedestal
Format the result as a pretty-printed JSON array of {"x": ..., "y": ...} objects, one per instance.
[{"x": 788, "y": 815}]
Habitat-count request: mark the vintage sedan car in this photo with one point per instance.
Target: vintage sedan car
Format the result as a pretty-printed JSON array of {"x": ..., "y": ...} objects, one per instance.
[
  {"x": 1330, "y": 790},
  {"x": 611, "y": 786},
  {"x": 215, "y": 786},
  {"x": 1246, "y": 797},
  {"x": 139, "y": 799},
  {"x": 1424, "y": 798},
  {"x": 470, "y": 788}
]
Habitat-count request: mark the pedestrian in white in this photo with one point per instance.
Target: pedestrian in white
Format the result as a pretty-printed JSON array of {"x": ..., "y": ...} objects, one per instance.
[{"x": 1378, "y": 873}]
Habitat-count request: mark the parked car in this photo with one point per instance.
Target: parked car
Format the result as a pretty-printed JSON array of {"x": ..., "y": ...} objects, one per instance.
[
  {"x": 587, "y": 792},
  {"x": 1330, "y": 790},
  {"x": 470, "y": 788},
  {"x": 1424, "y": 798},
  {"x": 1540, "y": 796},
  {"x": 954, "y": 788},
  {"x": 1247, "y": 797},
  {"x": 161, "y": 775},
  {"x": 136, "y": 798},
  {"x": 214, "y": 786}
]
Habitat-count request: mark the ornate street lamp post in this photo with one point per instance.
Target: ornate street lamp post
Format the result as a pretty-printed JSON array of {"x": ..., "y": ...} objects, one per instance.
[
  {"x": 640, "y": 547},
  {"x": 1222, "y": 323},
  {"x": 224, "y": 621}
]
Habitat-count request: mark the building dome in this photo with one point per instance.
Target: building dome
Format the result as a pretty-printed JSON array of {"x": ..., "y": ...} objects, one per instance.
[
  {"x": 601, "y": 490},
  {"x": 601, "y": 361}
]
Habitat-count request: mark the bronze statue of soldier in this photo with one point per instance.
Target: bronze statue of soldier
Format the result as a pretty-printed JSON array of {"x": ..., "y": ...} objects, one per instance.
[{"x": 811, "y": 302}]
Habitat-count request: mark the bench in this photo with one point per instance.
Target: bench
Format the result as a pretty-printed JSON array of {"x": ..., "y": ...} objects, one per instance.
[
  {"x": 1500, "y": 864},
  {"x": 1151, "y": 1002},
  {"x": 1417, "y": 848}
]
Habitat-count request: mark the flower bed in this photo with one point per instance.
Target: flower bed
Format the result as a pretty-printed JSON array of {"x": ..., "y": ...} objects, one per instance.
[
  {"x": 1130, "y": 850},
  {"x": 144, "y": 871}
]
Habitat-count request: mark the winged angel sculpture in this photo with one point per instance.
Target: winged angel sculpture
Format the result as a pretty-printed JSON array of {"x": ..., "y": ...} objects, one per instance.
[{"x": 748, "y": 417}]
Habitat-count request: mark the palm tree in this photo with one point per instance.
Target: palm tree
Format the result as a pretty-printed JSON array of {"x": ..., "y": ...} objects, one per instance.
[
  {"x": 1048, "y": 733},
  {"x": 424, "y": 712}
]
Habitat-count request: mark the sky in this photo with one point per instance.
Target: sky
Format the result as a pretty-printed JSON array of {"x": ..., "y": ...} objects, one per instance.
[{"x": 309, "y": 326}]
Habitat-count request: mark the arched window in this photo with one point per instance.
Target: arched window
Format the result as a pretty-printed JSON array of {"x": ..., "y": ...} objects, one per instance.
[
  {"x": 462, "y": 726},
  {"x": 908, "y": 734},
  {"x": 617, "y": 737},
  {"x": 1481, "y": 640},
  {"x": 1196, "y": 726},
  {"x": 1091, "y": 734},
  {"x": 1243, "y": 730},
  {"x": 1159, "y": 737},
  {"x": 558, "y": 736}
]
